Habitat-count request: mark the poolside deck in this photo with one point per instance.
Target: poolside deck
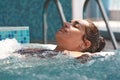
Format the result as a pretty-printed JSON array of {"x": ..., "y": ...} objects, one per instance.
[
  {"x": 115, "y": 27},
  {"x": 109, "y": 45}
]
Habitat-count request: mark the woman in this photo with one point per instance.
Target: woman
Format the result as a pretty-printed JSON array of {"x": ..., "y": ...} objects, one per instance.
[
  {"x": 79, "y": 36},
  {"x": 75, "y": 38}
]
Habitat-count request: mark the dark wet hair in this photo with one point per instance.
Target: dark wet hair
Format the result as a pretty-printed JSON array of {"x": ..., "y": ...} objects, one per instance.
[
  {"x": 101, "y": 44},
  {"x": 92, "y": 34}
]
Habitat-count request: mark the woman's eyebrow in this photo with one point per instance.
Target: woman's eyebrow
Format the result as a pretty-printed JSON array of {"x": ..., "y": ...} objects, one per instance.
[
  {"x": 70, "y": 21},
  {"x": 78, "y": 23},
  {"x": 75, "y": 21}
]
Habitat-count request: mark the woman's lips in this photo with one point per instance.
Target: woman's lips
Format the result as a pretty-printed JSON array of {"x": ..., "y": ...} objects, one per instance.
[
  {"x": 62, "y": 30},
  {"x": 65, "y": 28}
]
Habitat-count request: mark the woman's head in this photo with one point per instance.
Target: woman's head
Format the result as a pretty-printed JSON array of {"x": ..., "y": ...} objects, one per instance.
[
  {"x": 92, "y": 34},
  {"x": 78, "y": 35}
]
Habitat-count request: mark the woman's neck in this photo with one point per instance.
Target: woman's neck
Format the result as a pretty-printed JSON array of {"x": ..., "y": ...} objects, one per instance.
[{"x": 58, "y": 48}]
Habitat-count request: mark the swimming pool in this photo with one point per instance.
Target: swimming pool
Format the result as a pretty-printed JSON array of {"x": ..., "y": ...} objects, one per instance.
[
  {"x": 15, "y": 67},
  {"x": 20, "y": 33}
]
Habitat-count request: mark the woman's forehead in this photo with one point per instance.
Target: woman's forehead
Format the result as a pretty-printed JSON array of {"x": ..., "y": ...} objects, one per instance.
[{"x": 82, "y": 22}]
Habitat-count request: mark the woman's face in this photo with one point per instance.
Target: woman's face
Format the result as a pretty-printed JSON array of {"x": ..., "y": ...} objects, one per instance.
[{"x": 70, "y": 36}]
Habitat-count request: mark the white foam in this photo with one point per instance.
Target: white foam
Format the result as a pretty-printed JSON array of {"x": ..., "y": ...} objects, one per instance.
[
  {"x": 8, "y": 46},
  {"x": 103, "y": 54}
]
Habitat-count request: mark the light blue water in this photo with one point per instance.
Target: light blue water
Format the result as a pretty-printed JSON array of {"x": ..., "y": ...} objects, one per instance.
[{"x": 60, "y": 68}]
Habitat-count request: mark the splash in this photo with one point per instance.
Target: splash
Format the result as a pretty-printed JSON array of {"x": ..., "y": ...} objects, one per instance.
[{"x": 8, "y": 46}]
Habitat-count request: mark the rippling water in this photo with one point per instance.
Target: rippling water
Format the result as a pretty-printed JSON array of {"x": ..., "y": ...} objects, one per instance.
[{"x": 16, "y": 67}]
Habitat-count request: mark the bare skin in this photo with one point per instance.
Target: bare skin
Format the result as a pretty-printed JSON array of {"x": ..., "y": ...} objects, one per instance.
[
  {"x": 78, "y": 39},
  {"x": 76, "y": 54},
  {"x": 70, "y": 38}
]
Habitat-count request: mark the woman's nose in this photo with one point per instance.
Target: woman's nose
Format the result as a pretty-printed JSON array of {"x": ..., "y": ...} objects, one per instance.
[{"x": 67, "y": 24}]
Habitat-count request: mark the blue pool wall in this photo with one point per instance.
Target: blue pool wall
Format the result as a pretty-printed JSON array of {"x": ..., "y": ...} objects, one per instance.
[
  {"x": 29, "y": 13},
  {"x": 21, "y": 34}
]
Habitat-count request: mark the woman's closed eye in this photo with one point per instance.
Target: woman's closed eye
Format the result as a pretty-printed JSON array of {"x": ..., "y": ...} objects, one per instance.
[{"x": 76, "y": 24}]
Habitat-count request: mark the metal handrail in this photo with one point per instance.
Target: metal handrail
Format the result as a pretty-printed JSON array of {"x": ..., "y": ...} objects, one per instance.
[
  {"x": 105, "y": 18},
  {"x": 59, "y": 7},
  {"x": 45, "y": 27},
  {"x": 45, "y": 21}
]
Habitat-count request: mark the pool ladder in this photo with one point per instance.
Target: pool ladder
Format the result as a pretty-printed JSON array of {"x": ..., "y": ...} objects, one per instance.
[{"x": 62, "y": 17}]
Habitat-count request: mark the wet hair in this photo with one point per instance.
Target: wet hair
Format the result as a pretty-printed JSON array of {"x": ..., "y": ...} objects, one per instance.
[
  {"x": 92, "y": 34},
  {"x": 101, "y": 44}
]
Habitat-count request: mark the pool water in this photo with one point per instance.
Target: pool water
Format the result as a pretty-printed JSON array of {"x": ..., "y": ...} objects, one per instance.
[{"x": 61, "y": 67}]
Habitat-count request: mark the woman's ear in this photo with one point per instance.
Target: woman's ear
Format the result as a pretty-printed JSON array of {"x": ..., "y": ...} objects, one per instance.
[{"x": 87, "y": 43}]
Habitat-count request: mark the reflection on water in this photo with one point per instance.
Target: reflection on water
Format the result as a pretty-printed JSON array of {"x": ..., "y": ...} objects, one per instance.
[{"x": 61, "y": 67}]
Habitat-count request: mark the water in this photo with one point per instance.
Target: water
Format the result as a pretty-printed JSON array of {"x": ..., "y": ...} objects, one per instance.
[{"x": 17, "y": 67}]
